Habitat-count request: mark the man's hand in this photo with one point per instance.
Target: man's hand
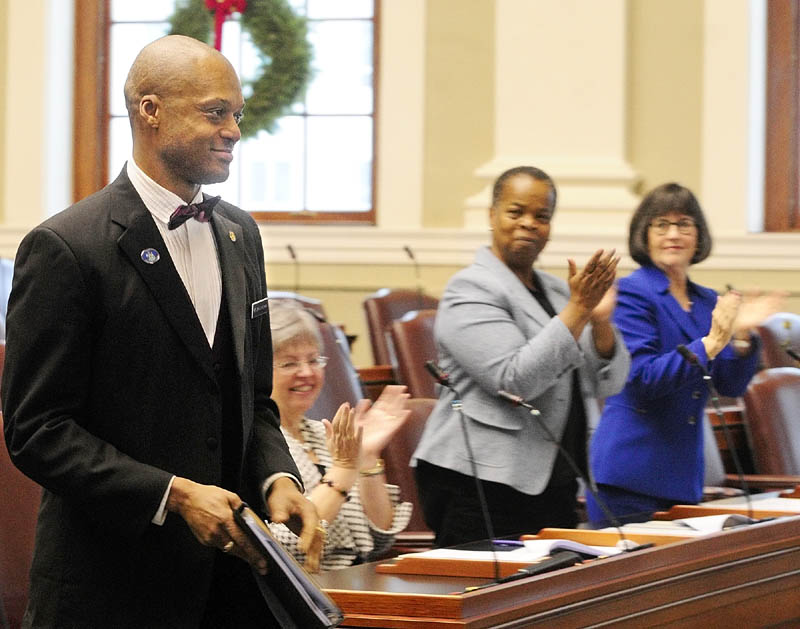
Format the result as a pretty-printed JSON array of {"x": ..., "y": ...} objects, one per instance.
[
  {"x": 287, "y": 505},
  {"x": 208, "y": 510}
]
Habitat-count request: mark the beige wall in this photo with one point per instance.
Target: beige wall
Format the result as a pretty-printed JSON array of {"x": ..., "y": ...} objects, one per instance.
[
  {"x": 459, "y": 105},
  {"x": 665, "y": 90},
  {"x": 438, "y": 87},
  {"x": 3, "y": 93}
]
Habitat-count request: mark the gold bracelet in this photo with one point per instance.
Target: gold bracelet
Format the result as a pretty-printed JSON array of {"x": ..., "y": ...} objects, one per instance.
[
  {"x": 376, "y": 469},
  {"x": 741, "y": 343}
]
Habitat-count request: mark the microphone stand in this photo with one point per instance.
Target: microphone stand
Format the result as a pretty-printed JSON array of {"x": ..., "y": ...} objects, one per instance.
[
  {"x": 692, "y": 359},
  {"x": 296, "y": 264},
  {"x": 793, "y": 354},
  {"x": 444, "y": 379},
  {"x": 413, "y": 259},
  {"x": 516, "y": 400}
]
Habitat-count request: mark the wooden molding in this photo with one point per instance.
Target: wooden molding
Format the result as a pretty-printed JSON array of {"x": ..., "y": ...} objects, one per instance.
[{"x": 90, "y": 109}]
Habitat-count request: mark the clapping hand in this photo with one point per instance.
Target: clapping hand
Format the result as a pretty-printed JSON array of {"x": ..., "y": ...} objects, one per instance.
[
  {"x": 589, "y": 286},
  {"x": 755, "y": 309},
  {"x": 381, "y": 420},
  {"x": 344, "y": 437},
  {"x": 722, "y": 319}
]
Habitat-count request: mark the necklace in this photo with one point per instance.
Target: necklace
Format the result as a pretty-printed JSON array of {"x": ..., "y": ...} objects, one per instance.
[{"x": 301, "y": 439}]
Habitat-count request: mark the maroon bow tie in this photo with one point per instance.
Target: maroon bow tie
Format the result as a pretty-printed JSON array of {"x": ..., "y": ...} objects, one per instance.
[{"x": 199, "y": 211}]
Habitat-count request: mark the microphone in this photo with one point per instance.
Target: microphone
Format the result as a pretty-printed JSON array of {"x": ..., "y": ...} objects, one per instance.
[
  {"x": 516, "y": 400},
  {"x": 440, "y": 376},
  {"x": 296, "y": 263},
  {"x": 413, "y": 259},
  {"x": 443, "y": 378},
  {"x": 692, "y": 359}
]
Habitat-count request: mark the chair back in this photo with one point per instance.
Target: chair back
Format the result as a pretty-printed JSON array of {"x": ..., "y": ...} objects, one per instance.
[
  {"x": 397, "y": 455},
  {"x": 342, "y": 383},
  {"x": 309, "y": 303},
  {"x": 779, "y": 333},
  {"x": 384, "y": 307},
  {"x": 772, "y": 405},
  {"x": 414, "y": 345},
  {"x": 19, "y": 506}
]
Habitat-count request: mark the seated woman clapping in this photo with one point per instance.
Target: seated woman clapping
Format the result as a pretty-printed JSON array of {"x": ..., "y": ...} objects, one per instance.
[{"x": 339, "y": 459}]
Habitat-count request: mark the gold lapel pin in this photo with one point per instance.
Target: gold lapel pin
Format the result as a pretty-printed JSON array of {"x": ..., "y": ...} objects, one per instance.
[{"x": 232, "y": 236}]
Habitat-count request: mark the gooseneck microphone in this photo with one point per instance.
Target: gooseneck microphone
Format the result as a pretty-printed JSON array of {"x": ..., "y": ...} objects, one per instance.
[
  {"x": 793, "y": 354},
  {"x": 413, "y": 259},
  {"x": 296, "y": 264},
  {"x": 692, "y": 359},
  {"x": 443, "y": 378},
  {"x": 517, "y": 400}
]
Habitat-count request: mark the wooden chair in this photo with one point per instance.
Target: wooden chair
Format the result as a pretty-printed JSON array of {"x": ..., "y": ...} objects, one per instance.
[
  {"x": 19, "y": 505},
  {"x": 384, "y": 307},
  {"x": 342, "y": 383},
  {"x": 413, "y": 341},
  {"x": 772, "y": 405},
  {"x": 779, "y": 333},
  {"x": 397, "y": 455},
  {"x": 309, "y": 303}
]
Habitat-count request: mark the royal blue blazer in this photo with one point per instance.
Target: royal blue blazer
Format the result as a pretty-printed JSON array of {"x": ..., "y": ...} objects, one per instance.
[{"x": 650, "y": 436}]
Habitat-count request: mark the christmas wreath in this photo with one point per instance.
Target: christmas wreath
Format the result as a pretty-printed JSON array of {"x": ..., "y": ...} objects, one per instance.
[{"x": 280, "y": 37}]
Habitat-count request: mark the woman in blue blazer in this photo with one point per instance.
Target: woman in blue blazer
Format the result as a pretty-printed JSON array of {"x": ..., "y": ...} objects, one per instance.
[{"x": 647, "y": 452}]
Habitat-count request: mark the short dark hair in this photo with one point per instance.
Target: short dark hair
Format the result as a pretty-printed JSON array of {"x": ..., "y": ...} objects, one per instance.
[
  {"x": 531, "y": 171},
  {"x": 666, "y": 198}
]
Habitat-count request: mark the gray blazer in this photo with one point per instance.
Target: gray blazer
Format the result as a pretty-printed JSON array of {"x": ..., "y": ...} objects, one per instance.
[{"x": 492, "y": 334}]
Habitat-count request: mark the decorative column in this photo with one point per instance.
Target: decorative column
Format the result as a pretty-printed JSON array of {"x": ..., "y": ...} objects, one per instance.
[{"x": 560, "y": 105}]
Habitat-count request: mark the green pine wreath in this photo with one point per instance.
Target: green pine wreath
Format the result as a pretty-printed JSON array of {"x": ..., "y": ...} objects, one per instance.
[{"x": 281, "y": 39}]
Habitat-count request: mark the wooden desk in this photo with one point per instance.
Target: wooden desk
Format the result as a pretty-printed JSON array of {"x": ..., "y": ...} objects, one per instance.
[{"x": 744, "y": 577}]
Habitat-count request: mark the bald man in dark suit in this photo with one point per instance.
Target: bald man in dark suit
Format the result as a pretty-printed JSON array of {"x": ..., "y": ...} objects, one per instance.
[{"x": 138, "y": 375}]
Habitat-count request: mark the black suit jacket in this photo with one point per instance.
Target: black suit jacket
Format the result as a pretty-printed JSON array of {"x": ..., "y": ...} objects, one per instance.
[{"x": 109, "y": 390}]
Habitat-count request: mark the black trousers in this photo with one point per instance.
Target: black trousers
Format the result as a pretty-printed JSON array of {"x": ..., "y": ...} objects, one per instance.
[
  {"x": 235, "y": 600},
  {"x": 452, "y": 510}
]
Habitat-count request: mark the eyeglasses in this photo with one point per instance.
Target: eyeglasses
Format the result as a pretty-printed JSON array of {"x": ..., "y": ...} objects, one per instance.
[
  {"x": 685, "y": 226},
  {"x": 294, "y": 366}
]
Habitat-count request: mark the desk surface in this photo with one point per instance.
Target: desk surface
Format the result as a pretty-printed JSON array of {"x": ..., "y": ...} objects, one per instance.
[{"x": 747, "y": 576}]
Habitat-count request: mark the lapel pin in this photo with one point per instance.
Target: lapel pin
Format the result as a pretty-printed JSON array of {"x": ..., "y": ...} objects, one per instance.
[
  {"x": 150, "y": 256},
  {"x": 232, "y": 236}
]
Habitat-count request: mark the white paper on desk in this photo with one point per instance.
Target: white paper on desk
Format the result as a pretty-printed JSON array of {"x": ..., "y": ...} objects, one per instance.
[
  {"x": 533, "y": 550},
  {"x": 760, "y": 502},
  {"x": 656, "y": 527},
  {"x": 714, "y": 523}
]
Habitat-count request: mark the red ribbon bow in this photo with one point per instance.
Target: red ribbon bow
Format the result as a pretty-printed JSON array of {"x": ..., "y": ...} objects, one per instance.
[{"x": 222, "y": 9}]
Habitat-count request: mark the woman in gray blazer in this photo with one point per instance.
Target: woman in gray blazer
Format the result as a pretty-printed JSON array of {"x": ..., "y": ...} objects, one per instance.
[{"x": 503, "y": 326}]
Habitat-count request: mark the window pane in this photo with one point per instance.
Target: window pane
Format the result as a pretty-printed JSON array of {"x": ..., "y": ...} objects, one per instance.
[
  {"x": 119, "y": 145},
  {"x": 340, "y": 9},
  {"x": 272, "y": 169},
  {"x": 232, "y": 43},
  {"x": 126, "y": 42},
  {"x": 299, "y": 6},
  {"x": 339, "y": 163},
  {"x": 140, "y": 10},
  {"x": 342, "y": 64}
]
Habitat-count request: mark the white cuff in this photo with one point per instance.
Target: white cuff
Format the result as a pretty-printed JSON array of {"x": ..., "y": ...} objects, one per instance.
[{"x": 161, "y": 514}]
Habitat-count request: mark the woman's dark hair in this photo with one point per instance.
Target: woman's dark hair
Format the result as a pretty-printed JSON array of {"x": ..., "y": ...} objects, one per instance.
[
  {"x": 532, "y": 172},
  {"x": 669, "y": 197}
]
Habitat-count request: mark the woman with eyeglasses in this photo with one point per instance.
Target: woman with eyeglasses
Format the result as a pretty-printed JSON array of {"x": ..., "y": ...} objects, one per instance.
[
  {"x": 339, "y": 459},
  {"x": 647, "y": 452}
]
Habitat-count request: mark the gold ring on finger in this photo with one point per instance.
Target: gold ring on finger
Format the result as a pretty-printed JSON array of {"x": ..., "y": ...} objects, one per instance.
[{"x": 228, "y": 547}]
